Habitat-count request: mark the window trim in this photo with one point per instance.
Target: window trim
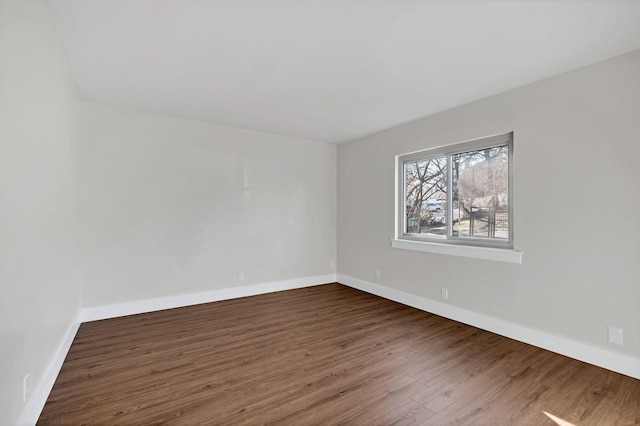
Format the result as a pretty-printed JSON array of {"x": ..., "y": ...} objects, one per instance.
[
  {"x": 475, "y": 252},
  {"x": 463, "y": 246}
]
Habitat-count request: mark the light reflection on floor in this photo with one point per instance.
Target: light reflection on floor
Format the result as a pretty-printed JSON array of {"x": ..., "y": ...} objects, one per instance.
[{"x": 558, "y": 420}]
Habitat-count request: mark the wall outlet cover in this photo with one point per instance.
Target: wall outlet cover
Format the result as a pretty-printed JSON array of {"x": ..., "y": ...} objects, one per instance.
[{"x": 615, "y": 335}]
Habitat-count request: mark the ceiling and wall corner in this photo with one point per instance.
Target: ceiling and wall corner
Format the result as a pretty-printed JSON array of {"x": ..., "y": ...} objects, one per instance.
[{"x": 329, "y": 71}]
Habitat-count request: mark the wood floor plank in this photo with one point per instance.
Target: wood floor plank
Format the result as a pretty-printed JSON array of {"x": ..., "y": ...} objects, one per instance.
[{"x": 322, "y": 355}]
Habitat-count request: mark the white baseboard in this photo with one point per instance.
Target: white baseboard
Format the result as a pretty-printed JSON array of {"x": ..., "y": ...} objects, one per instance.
[
  {"x": 623, "y": 364},
  {"x": 178, "y": 301},
  {"x": 41, "y": 391},
  {"x": 36, "y": 403},
  {"x": 619, "y": 363}
]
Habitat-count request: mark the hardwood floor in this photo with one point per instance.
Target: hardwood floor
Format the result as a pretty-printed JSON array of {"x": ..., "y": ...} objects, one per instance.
[{"x": 322, "y": 355}]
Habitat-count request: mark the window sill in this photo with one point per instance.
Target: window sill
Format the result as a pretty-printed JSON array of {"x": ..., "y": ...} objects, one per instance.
[{"x": 486, "y": 253}]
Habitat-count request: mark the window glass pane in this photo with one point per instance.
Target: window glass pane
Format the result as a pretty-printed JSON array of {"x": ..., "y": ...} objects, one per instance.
[
  {"x": 481, "y": 193},
  {"x": 425, "y": 196}
]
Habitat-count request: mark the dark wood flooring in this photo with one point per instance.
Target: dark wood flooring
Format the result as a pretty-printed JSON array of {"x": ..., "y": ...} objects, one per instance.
[{"x": 321, "y": 356}]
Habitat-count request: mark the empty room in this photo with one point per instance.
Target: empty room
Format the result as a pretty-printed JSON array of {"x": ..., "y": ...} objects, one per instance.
[{"x": 319, "y": 212}]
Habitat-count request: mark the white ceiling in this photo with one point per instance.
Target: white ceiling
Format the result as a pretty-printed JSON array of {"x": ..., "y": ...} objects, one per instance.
[{"x": 331, "y": 70}]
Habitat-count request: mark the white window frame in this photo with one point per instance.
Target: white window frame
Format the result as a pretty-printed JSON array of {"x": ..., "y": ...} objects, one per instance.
[{"x": 482, "y": 248}]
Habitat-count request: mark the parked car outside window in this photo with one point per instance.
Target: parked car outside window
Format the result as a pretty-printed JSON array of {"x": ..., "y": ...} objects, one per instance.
[{"x": 434, "y": 207}]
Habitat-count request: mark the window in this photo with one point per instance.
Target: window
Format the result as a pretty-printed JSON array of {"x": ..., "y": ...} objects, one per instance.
[{"x": 458, "y": 195}]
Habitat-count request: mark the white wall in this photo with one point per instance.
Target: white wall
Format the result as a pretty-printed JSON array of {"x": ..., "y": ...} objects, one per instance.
[
  {"x": 39, "y": 262},
  {"x": 577, "y": 187},
  {"x": 172, "y": 206}
]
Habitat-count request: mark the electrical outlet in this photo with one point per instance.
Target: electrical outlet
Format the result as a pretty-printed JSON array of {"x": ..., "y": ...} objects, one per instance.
[
  {"x": 615, "y": 335},
  {"x": 445, "y": 294},
  {"x": 241, "y": 276},
  {"x": 378, "y": 274},
  {"x": 26, "y": 387}
]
